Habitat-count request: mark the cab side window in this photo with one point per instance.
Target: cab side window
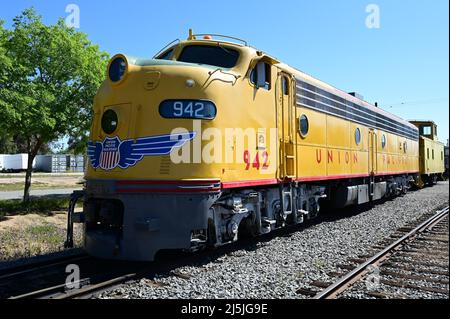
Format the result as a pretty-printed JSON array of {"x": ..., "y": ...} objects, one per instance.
[
  {"x": 166, "y": 55},
  {"x": 285, "y": 85},
  {"x": 261, "y": 76}
]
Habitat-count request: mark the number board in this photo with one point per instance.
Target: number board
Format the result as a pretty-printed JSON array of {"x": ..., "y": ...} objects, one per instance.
[{"x": 188, "y": 109}]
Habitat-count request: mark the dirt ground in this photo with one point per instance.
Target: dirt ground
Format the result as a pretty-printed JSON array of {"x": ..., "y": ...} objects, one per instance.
[
  {"x": 24, "y": 236},
  {"x": 27, "y": 235}
]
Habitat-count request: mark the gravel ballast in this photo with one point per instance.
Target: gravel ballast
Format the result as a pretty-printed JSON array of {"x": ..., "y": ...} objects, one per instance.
[{"x": 278, "y": 268}]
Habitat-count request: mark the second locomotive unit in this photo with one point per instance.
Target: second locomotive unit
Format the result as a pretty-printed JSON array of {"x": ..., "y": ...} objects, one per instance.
[{"x": 213, "y": 139}]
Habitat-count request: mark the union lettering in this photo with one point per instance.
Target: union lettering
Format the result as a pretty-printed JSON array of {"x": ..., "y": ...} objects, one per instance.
[{"x": 318, "y": 156}]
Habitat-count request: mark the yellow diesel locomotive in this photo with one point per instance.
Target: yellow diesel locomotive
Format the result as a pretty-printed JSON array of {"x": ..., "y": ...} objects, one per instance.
[{"x": 212, "y": 139}]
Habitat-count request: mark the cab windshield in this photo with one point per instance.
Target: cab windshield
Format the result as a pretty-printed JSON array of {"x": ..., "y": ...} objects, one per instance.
[{"x": 213, "y": 55}]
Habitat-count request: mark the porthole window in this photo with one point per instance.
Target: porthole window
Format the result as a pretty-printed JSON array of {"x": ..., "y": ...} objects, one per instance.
[
  {"x": 405, "y": 147},
  {"x": 357, "y": 136},
  {"x": 304, "y": 125},
  {"x": 383, "y": 141}
]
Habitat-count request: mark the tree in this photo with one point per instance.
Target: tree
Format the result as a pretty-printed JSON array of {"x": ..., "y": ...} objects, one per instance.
[
  {"x": 16, "y": 144},
  {"x": 78, "y": 143},
  {"x": 49, "y": 79}
]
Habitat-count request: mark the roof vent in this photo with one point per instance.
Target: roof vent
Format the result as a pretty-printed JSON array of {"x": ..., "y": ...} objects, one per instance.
[{"x": 357, "y": 95}]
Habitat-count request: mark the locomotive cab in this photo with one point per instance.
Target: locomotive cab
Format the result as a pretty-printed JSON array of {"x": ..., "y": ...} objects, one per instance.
[{"x": 194, "y": 83}]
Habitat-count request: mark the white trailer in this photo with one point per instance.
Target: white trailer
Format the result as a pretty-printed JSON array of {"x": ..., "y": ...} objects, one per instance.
[{"x": 16, "y": 162}]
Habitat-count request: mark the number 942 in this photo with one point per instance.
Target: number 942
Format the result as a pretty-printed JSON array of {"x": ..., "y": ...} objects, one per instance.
[
  {"x": 191, "y": 109},
  {"x": 259, "y": 162},
  {"x": 188, "y": 109}
]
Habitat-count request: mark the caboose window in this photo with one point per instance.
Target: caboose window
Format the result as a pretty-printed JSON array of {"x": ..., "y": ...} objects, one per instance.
[
  {"x": 220, "y": 56},
  {"x": 425, "y": 130}
]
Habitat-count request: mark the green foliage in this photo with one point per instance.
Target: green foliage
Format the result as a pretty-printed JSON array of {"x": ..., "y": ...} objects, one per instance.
[
  {"x": 16, "y": 145},
  {"x": 78, "y": 144},
  {"x": 50, "y": 75},
  {"x": 5, "y": 62},
  {"x": 7, "y": 145}
]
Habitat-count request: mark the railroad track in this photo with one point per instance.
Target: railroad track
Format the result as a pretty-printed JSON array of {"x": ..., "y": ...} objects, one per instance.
[
  {"x": 100, "y": 275},
  {"x": 87, "y": 290},
  {"x": 16, "y": 279},
  {"x": 46, "y": 280},
  {"x": 107, "y": 274},
  {"x": 416, "y": 261}
]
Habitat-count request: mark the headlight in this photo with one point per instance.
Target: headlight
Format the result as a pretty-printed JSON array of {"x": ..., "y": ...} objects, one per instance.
[
  {"x": 117, "y": 69},
  {"x": 109, "y": 121}
]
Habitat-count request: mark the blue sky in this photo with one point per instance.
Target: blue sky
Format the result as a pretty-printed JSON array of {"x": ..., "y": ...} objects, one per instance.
[{"x": 403, "y": 65}]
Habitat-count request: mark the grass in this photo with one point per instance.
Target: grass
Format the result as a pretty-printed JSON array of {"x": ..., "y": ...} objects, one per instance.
[
  {"x": 68, "y": 174},
  {"x": 43, "y": 205},
  {"x": 35, "y": 185},
  {"x": 34, "y": 235},
  {"x": 45, "y": 233},
  {"x": 35, "y": 228},
  {"x": 319, "y": 263}
]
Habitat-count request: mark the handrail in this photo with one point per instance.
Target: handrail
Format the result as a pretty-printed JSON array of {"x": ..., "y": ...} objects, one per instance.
[
  {"x": 222, "y": 36},
  {"x": 200, "y": 35},
  {"x": 76, "y": 195}
]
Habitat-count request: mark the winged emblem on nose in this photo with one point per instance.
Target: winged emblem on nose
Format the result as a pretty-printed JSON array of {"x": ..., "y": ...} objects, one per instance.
[{"x": 113, "y": 153}]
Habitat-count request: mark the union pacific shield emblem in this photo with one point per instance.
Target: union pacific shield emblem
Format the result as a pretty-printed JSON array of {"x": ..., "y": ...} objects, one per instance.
[
  {"x": 113, "y": 152},
  {"x": 110, "y": 155}
]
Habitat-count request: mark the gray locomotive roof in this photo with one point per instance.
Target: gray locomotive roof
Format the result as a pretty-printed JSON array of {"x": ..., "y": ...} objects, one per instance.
[{"x": 327, "y": 87}]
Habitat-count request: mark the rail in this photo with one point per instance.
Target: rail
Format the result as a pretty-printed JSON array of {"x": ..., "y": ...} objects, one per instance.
[{"x": 359, "y": 272}]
